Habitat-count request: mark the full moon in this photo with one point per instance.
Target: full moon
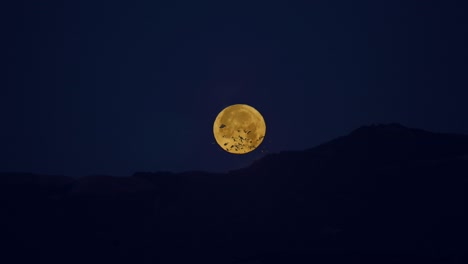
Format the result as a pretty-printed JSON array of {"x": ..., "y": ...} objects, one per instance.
[{"x": 239, "y": 129}]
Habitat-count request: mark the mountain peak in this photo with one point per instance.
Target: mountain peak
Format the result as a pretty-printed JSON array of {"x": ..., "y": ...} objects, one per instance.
[{"x": 383, "y": 128}]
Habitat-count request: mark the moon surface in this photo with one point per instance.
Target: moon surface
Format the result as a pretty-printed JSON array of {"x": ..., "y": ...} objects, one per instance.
[{"x": 239, "y": 129}]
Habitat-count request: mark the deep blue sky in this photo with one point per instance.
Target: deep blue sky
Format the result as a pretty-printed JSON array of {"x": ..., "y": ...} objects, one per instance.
[{"x": 113, "y": 87}]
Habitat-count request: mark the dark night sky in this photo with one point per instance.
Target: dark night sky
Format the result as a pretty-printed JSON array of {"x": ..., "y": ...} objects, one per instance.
[{"x": 113, "y": 87}]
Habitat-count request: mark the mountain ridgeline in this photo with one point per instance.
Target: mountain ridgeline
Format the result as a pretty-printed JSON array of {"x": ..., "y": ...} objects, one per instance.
[{"x": 382, "y": 194}]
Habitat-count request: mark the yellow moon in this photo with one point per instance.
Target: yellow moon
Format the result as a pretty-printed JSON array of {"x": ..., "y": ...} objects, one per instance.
[{"x": 239, "y": 129}]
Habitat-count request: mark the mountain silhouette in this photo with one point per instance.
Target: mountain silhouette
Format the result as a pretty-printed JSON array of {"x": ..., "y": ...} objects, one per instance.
[{"x": 382, "y": 194}]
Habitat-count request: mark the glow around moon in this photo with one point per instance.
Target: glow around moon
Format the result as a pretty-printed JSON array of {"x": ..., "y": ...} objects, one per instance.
[{"x": 239, "y": 129}]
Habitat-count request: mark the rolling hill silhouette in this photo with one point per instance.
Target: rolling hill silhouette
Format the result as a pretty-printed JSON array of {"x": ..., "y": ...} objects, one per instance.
[{"x": 382, "y": 194}]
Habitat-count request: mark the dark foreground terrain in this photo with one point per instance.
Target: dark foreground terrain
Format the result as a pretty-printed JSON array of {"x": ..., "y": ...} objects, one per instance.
[{"x": 382, "y": 194}]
